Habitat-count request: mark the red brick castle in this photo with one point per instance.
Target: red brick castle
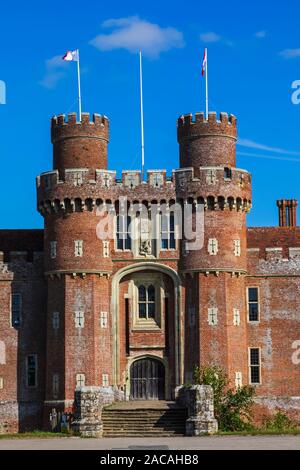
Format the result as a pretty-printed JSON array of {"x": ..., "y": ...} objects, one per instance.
[{"x": 137, "y": 313}]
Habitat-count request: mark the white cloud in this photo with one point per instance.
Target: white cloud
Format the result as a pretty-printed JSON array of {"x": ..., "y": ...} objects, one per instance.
[
  {"x": 210, "y": 37},
  {"x": 255, "y": 145},
  {"x": 271, "y": 157},
  {"x": 55, "y": 71},
  {"x": 290, "y": 53},
  {"x": 134, "y": 34},
  {"x": 260, "y": 34}
]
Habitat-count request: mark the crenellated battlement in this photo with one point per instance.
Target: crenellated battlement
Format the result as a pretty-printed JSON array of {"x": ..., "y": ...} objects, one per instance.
[
  {"x": 274, "y": 260},
  {"x": 184, "y": 180},
  {"x": 79, "y": 190},
  {"x": 76, "y": 177},
  {"x": 19, "y": 264},
  {"x": 79, "y": 144},
  {"x": 63, "y": 126},
  {"x": 190, "y": 125}
]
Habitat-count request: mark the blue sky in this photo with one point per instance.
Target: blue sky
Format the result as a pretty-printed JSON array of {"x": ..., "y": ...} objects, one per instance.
[{"x": 254, "y": 56}]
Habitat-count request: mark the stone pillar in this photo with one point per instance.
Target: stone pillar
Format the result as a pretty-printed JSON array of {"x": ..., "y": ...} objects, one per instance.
[
  {"x": 199, "y": 400},
  {"x": 88, "y": 410}
]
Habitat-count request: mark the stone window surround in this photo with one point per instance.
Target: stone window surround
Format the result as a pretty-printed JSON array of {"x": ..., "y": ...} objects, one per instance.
[
  {"x": 147, "y": 279},
  {"x": 1, "y": 383},
  {"x": 238, "y": 379},
  {"x": 103, "y": 320},
  {"x": 80, "y": 380},
  {"x": 212, "y": 316},
  {"x": 127, "y": 233},
  {"x": 236, "y": 317},
  {"x": 168, "y": 232},
  {"x": 136, "y": 236},
  {"x": 258, "y": 304},
  {"x": 250, "y": 365},
  {"x": 79, "y": 318},
  {"x": 2, "y": 353},
  {"x": 105, "y": 380},
  {"x": 212, "y": 246},
  {"x": 78, "y": 248},
  {"x": 237, "y": 247},
  {"x": 106, "y": 250}
]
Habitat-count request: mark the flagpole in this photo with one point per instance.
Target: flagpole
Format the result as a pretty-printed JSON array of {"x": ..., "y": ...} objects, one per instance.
[
  {"x": 206, "y": 85},
  {"x": 79, "y": 88},
  {"x": 142, "y": 116}
]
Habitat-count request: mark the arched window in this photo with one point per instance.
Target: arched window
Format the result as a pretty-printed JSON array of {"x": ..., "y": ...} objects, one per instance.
[
  {"x": 123, "y": 232},
  {"x": 146, "y": 301}
]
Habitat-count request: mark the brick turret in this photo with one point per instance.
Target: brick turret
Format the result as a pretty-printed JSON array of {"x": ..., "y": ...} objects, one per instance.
[
  {"x": 79, "y": 144},
  {"x": 208, "y": 142},
  {"x": 77, "y": 263},
  {"x": 209, "y": 179}
]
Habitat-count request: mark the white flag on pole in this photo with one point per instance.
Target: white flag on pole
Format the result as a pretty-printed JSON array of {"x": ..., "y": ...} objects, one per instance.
[{"x": 73, "y": 56}]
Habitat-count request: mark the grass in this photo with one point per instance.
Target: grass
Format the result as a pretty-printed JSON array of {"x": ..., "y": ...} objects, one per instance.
[
  {"x": 252, "y": 432},
  {"x": 34, "y": 434},
  {"x": 261, "y": 432}
]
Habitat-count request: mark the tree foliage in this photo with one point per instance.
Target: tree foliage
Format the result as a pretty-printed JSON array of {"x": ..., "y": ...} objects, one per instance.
[{"x": 232, "y": 406}]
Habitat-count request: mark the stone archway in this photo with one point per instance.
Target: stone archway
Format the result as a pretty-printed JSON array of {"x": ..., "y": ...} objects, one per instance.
[
  {"x": 147, "y": 379},
  {"x": 149, "y": 266}
]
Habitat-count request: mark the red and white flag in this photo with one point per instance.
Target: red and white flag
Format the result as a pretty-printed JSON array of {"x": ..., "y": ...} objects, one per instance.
[
  {"x": 71, "y": 56},
  {"x": 204, "y": 62}
]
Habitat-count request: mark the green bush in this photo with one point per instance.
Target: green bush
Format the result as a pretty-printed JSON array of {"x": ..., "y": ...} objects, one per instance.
[
  {"x": 232, "y": 407},
  {"x": 279, "y": 422}
]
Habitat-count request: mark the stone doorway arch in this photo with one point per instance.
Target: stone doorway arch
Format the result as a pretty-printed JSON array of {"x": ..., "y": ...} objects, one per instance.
[
  {"x": 147, "y": 379},
  {"x": 118, "y": 276}
]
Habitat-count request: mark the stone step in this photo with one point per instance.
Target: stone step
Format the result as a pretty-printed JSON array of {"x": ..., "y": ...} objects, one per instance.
[
  {"x": 145, "y": 431},
  {"x": 144, "y": 421},
  {"x": 147, "y": 413},
  {"x": 143, "y": 426},
  {"x": 144, "y": 412},
  {"x": 153, "y": 424},
  {"x": 135, "y": 429},
  {"x": 145, "y": 404},
  {"x": 142, "y": 418}
]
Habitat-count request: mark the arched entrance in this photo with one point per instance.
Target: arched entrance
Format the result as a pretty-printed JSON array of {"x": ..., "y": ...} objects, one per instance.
[
  {"x": 115, "y": 305},
  {"x": 147, "y": 379}
]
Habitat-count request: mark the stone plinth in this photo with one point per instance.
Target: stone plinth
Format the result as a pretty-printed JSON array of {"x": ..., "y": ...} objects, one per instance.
[
  {"x": 200, "y": 405},
  {"x": 88, "y": 410}
]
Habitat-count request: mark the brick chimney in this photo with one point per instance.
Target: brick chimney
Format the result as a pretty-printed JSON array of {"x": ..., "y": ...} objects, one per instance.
[{"x": 287, "y": 212}]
